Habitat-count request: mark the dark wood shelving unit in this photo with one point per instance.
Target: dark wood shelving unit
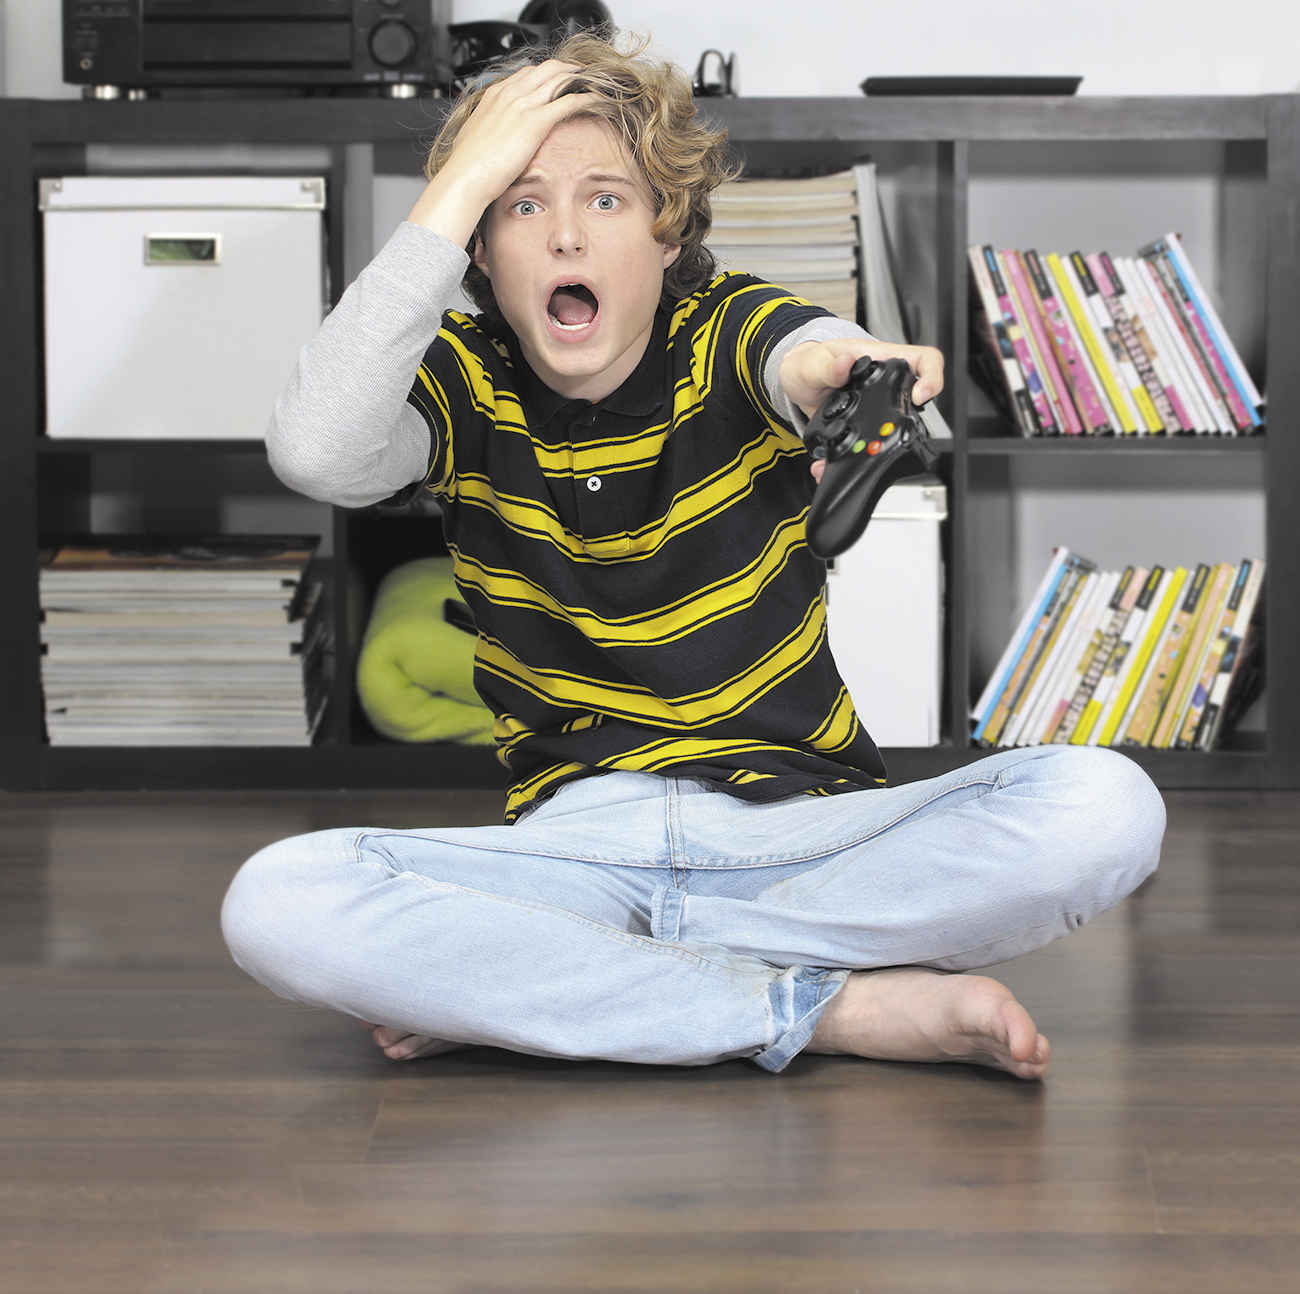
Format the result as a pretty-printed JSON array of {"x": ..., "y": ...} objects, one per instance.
[
  {"x": 43, "y": 138},
  {"x": 989, "y": 436},
  {"x": 253, "y": 448}
]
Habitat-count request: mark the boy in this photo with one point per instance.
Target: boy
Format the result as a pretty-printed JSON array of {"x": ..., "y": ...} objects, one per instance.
[{"x": 700, "y": 859}]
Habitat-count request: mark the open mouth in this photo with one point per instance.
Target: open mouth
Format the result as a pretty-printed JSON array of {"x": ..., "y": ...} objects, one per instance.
[{"x": 572, "y": 306}]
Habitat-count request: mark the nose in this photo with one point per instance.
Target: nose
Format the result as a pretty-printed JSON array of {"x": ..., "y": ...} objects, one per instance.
[{"x": 567, "y": 234}]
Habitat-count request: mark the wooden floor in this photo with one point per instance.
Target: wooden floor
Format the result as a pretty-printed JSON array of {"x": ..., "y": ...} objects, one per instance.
[{"x": 167, "y": 1125}]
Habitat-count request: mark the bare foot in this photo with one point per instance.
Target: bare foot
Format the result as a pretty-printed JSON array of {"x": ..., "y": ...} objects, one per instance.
[
  {"x": 397, "y": 1044},
  {"x": 912, "y": 1013}
]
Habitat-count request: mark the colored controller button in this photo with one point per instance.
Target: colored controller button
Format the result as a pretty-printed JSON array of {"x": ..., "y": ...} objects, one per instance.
[
  {"x": 859, "y": 446},
  {"x": 875, "y": 447},
  {"x": 887, "y": 429}
]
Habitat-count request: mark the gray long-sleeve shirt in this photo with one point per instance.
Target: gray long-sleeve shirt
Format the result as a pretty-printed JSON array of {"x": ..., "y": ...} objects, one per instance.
[{"x": 342, "y": 430}]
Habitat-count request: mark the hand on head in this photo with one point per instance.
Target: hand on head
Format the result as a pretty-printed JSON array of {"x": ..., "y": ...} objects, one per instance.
[{"x": 500, "y": 137}]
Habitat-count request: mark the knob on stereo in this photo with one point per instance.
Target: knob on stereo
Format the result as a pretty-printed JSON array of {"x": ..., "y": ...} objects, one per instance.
[{"x": 392, "y": 43}]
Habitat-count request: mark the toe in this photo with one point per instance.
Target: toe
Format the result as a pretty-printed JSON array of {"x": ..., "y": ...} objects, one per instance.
[
  {"x": 1019, "y": 1033},
  {"x": 388, "y": 1039}
]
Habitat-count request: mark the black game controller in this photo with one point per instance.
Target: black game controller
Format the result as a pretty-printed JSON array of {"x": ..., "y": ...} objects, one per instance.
[{"x": 870, "y": 436}]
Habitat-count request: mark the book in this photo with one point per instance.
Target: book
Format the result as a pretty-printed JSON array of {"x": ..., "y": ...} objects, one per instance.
[
  {"x": 1193, "y": 654},
  {"x": 881, "y": 296},
  {"x": 1085, "y": 649},
  {"x": 1250, "y": 393},
  {"x": 184, "y": 640},
  {"x": 1184, "y": 338},
  {"x": 881, "y": 299},
  {"x": 1239, "y": 661},
  {"x": 1168, "y": 347},
  {"x": 248, "y": 565},
  {"x": 1008, "y": 388},
  {"x": 1017, "y": 331},
  {"x": 1118, "y": 396},
  {"x": 1097, "y": 713},
  {"x": 1219, "y": 637},
  {"x": 1246, "y": 681},
  {"x": 1138, "y": 343},
  {"x": 1135, "y": 345},
  {"x": 1026, "y": 709},
  {"x": 1042, "y": 666},
  {"x": 1166, "y": 661},
  {"x": 143, "y": 612},
  {"x": 1120, "y": 609},
  {"x": 1001, "y": 674},
  {"x": 1026, "y": 731},
  {"x": 1121, "y": 413},
  {"x": 1131, "y": 385},
  {"x": 1138, "y": 662},
  {"x": 798, "y": 232},
  {"x": 1242, "y": 417},
  {"x": 1139, "y": 670},
  {"x": 1095, "y": 420},
  {"x": 1037, "y": 649},
  {"x": 1087, "y": 365},
  {"x": 785, "y": 189},
  {"x": 1058, "y": 392},
  {"x": 1158, "y": 282}
]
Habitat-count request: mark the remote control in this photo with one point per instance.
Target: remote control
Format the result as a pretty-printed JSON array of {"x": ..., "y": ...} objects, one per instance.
[{"x": 870, "y": 436}]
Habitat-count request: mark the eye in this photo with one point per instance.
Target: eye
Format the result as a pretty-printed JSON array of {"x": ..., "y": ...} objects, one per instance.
[
  {"x": 606, "y": 202},
  {"x": 519, "y": 207}
]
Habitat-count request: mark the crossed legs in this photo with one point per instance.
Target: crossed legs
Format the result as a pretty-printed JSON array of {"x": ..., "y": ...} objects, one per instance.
[{"x": 713, "y": 929}]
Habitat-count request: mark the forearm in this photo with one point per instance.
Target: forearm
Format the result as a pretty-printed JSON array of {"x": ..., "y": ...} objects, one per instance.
[
  {"x": 342, "y": 430},
  {"x": 824, "y": 329}
]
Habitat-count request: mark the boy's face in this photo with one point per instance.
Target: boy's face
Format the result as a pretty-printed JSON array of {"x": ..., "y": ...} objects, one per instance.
[{"x": 580, "y": 213}]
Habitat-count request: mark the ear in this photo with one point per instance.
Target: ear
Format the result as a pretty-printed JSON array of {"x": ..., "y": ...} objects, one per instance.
[
  {"x": 670, "y": 254},
  {"x": 480, "y": 254}
]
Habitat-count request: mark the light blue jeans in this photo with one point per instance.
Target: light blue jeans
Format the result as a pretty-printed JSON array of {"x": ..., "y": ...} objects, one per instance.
[{"x": 634, "y": 917}]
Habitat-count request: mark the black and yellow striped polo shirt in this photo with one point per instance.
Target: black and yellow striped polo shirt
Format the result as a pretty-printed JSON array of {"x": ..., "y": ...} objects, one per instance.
[{"x": 637, "y": 567}]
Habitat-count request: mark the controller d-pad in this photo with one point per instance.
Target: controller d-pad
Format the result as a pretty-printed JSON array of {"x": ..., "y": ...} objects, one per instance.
[{"x": 839, "y": 403}]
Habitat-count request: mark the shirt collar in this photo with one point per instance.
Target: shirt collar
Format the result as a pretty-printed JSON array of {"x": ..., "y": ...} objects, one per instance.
[{"x": 642, "y": 392}]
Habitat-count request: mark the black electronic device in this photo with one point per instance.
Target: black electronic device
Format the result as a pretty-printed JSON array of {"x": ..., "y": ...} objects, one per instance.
[
  {"x": 870, "y": 435},
  {"x": 967, "y": 85},
  {"x": 133, "y": 47},
  {"x": 477, "y": 46}
]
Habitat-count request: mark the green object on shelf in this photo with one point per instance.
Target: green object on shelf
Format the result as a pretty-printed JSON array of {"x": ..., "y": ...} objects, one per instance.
[{"x": 415, "y": 671}]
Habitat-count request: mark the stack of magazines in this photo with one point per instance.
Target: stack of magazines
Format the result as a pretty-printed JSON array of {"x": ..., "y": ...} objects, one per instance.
[
  {"x": 822, "y": 238},
  {"x": 1097, "y": 345},
  {"x": 800, "y": 233},
  {"x": 207, "y": 641},
  {"x": 1162, "y": 657}
]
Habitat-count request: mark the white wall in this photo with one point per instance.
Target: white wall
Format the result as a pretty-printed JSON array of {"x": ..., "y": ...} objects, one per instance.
[{"x": 1117, "y": 46}]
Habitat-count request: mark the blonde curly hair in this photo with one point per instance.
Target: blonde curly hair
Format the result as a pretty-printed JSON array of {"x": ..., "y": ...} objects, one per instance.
[{"x": 651, "y": 108}]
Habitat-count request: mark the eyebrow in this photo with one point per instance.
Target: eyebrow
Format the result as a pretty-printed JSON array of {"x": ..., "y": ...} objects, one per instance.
[{"x": 598, "y": 177}]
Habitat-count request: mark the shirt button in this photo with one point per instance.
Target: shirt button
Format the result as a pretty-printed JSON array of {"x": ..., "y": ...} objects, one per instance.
[{"x": 593, "y": 483}]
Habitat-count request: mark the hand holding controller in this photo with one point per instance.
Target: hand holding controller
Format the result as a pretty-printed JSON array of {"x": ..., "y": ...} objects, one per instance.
[{"x": 870, "y": 435}]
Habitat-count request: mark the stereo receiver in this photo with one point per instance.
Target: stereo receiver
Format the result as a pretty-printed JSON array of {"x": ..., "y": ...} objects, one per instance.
[{"x": 115, "y": 47}]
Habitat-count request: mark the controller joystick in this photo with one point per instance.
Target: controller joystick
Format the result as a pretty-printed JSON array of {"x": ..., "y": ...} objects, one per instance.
[{"x": 870, "y": 436}]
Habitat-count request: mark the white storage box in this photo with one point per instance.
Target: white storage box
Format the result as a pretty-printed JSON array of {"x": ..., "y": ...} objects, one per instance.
[
  {"x": 175, "y": 306},
  {"x": 885, "y": 615}
]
